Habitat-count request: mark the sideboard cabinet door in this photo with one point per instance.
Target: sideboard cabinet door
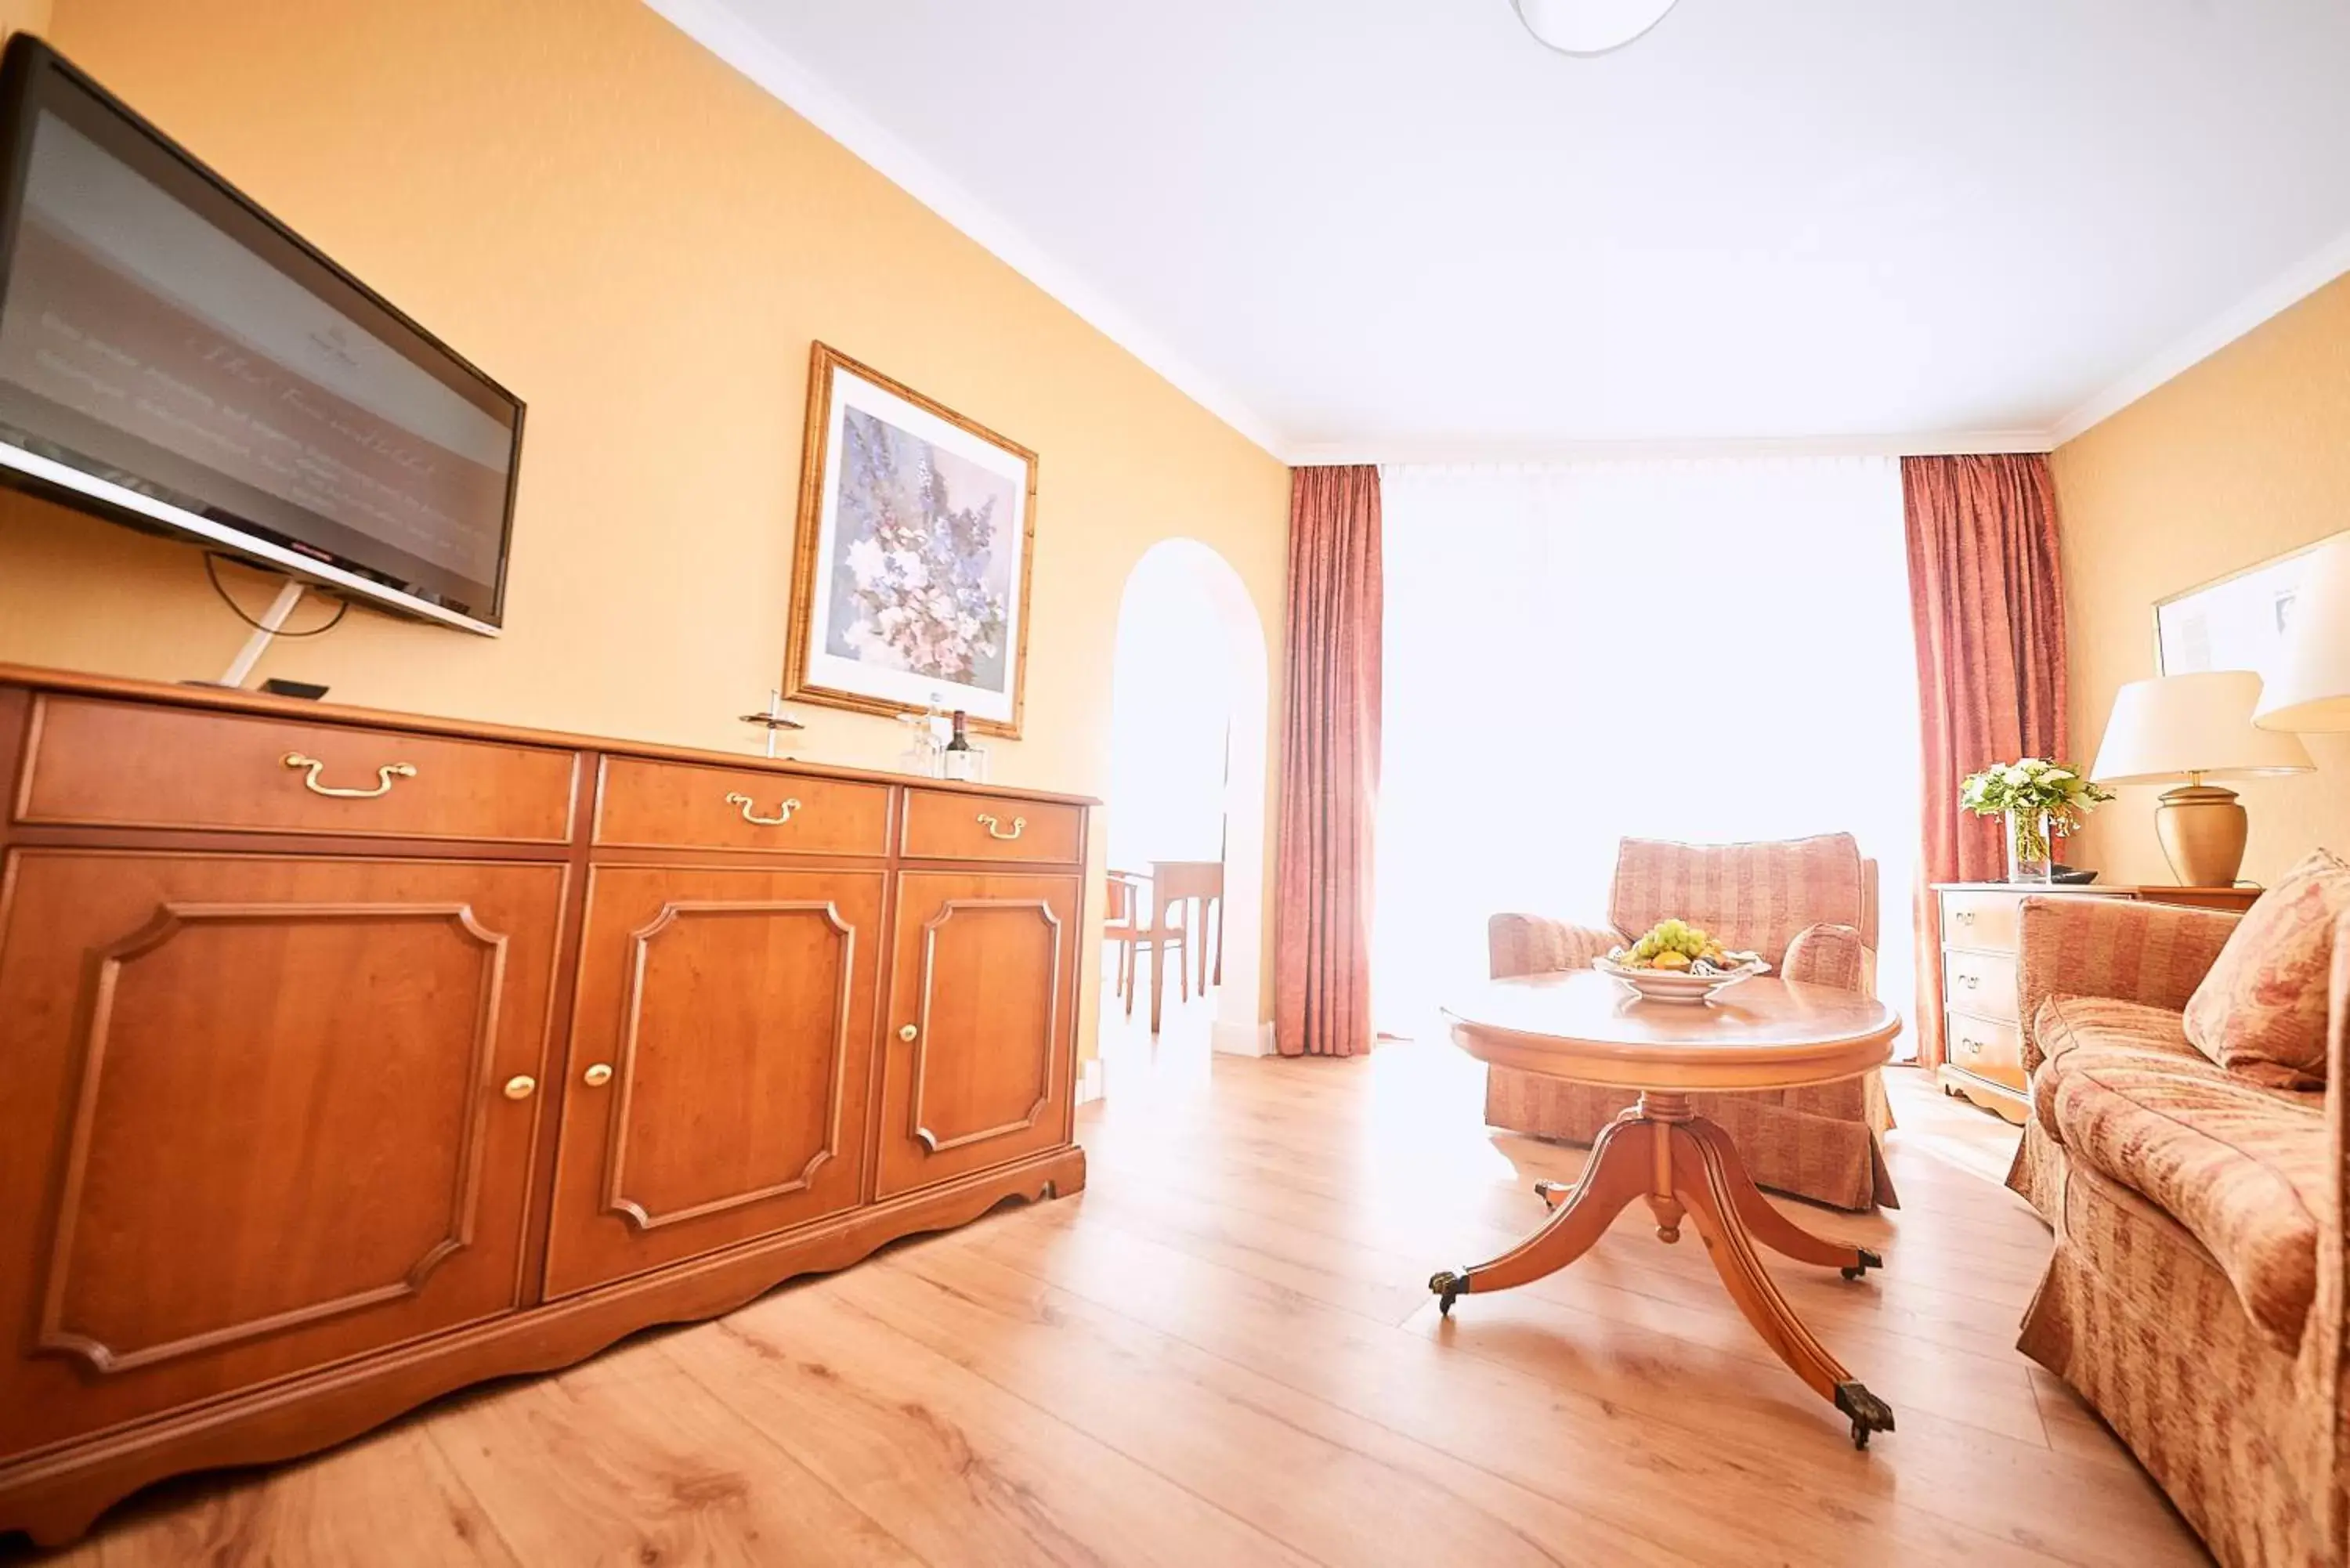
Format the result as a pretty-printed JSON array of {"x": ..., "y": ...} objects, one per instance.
[
  {"x": 978, "y": 1037},
  {"x": 719, "y": 1068},
  {"x": 265, "y": 1113}
]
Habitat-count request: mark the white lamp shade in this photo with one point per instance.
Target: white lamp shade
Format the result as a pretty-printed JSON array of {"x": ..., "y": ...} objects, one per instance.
[
  {"x": 2177, "y": 725},
  {"x": 2311, "y": 690},
  {"x": 1590, "y": 27}
]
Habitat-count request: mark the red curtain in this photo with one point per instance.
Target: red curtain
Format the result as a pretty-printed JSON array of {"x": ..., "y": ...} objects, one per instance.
[
  {"x": 1987, "y": 600},
  {"x": 1329, "y": 766}
]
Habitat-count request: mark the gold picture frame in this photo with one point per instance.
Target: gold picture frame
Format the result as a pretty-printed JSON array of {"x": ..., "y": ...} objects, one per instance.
[{"x": 886, "y": 606}]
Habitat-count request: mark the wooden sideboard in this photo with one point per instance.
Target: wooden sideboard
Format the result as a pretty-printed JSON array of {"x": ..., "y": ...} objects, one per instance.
[
  {"x": 346, "y": 1058},
  {"x": 1981, "y": 928}
]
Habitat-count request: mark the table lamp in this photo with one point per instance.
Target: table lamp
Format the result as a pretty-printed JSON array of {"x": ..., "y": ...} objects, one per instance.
[
  {"x": 2196, "y": 727},
  {"x": 2311, "y": 692}
]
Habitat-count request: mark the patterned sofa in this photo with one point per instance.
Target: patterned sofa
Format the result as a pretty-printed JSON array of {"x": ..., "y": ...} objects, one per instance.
[
  {"x": 2195, "y": 1296},
  {"x": 1809, "y": 905}
]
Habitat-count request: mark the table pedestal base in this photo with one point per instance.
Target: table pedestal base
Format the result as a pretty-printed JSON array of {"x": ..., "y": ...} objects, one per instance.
[{"x": 1687, "y": 1169}]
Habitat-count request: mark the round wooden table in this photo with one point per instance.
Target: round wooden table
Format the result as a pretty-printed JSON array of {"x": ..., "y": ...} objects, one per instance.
[{"x": 1763, "y": 1033}]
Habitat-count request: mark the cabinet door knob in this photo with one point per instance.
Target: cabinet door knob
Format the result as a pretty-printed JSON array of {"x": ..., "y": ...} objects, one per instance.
[
  {"x": 907, "y": 1032},
  {"x": 520, "y": 1087},
  {"x": 597, "y": 1075}
]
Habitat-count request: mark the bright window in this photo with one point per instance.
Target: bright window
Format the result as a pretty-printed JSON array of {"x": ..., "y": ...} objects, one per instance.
[{"x": 1576, "y": 653}]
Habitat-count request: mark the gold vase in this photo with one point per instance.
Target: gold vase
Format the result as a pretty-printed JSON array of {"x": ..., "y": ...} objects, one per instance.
[{"x": 2202, "y": 828}]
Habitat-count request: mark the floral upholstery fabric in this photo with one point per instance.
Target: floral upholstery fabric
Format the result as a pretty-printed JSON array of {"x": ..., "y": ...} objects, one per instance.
[
  {"x": 2261, "y": 1011},
  {"x": 1808, "y": 906},
  {"x": 2143, "y": 1324},
  {"x": 1753, "y": 897},
  {"x": 1528, "y": 944},
  {"x": 2185, "y": 1199},
  {"x": 1828, "y": 955},
  {"x": 2152, "y": 954},
  {"x": 2066, "y": 1023},
  {"x": 2240, "y": 1168}
]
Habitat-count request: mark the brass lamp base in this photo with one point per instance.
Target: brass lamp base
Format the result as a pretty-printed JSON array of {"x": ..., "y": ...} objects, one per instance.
[{"x": 2202, "y": 828}]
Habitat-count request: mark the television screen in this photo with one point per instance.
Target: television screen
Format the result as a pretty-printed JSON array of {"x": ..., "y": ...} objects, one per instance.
[{"x": 171, "y": 354}]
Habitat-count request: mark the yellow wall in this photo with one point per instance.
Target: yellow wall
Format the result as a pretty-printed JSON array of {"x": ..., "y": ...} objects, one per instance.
[
  {"x": 641, "y": 244},
  {"x": 2243, "y": 457},
  {"x": 23, "y": 16}
]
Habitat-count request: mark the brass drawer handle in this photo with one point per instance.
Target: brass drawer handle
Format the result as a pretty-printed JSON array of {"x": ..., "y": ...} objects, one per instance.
[
  {"x": 1019, "y": 826},
  {"x": 597, "y": 1077},
  {"x": 520, "y": 1086},
  {"x": 754, "y": 819},
  {"x": 383, "y": 777},
  {"x": 1964, "y": 917},
  {"x": 1972, "y": 982}
]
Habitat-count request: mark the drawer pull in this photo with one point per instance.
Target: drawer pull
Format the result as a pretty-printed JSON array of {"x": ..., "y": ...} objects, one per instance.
[
  {"x": 597, "y": 1077},
  {"x": 1972, "y": 982},
  {"x": 383, "y": 777},
  {"x": 1964, "y": 917},
  {"x": 784, "y": 811},
  {"x": 520, "y": 1086},
  {"x": 995, "y": 830}
]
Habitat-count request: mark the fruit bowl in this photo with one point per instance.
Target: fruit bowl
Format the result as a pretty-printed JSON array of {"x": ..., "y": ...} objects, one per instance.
[
  {"x": 1675, "y": 961},
  {"x": 1679, "y": 985}
]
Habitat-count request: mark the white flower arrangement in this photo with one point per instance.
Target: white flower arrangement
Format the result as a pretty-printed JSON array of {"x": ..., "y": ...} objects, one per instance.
[{"x": 2033, "y": 784}]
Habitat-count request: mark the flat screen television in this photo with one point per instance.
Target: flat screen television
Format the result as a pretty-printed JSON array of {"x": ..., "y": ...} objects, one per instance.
[{"x": 173, "y": 357}]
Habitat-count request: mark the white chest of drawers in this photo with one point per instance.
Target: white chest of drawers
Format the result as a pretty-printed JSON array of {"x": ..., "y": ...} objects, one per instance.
[{"x": 1980, "y": 928}]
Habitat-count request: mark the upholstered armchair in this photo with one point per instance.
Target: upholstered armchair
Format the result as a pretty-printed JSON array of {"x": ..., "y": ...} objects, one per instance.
[{"x": 1809, "y": 906}]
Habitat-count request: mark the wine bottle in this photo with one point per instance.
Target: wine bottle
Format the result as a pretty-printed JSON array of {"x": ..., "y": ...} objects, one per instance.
[{"x": 958, "y": 760}]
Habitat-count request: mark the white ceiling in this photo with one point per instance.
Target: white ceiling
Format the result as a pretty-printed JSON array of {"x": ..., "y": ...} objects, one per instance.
[{"x": 1385, "y": 229}]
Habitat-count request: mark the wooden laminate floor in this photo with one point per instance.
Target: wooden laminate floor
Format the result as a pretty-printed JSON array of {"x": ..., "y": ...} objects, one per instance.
[{"x": 1224, "y": 1352}]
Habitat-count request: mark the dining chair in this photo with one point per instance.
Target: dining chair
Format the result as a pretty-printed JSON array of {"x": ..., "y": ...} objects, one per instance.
[
  {"x": 1125, "y": 924},
  {"x": 1192, "y": 886}
]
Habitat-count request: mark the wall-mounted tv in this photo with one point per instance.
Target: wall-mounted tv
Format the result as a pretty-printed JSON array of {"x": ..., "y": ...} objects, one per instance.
[{"x": 171, "y": 356}]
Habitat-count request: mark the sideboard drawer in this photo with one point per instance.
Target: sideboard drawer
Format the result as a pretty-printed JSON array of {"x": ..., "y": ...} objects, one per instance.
[
  {"x": 96, "y": 764},
  {"x": 1980, "y": 984},
  {"x": 1987, "y": 1048},
  {"x": 649, "y": 804},
  {"x": 1987, "y": 922},
  {"x": 944, "y": 825}
]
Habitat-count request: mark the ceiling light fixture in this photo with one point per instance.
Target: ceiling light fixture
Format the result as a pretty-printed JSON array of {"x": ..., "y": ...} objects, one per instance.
[{"x": 1586, "y": 27}]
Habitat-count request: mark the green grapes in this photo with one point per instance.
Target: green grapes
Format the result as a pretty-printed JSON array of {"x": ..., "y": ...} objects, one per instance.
[{"x": 1672, "y": 936}]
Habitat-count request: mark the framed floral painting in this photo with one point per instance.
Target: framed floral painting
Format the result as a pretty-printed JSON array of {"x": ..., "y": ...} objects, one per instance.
[{"x": 909, "y": 577}]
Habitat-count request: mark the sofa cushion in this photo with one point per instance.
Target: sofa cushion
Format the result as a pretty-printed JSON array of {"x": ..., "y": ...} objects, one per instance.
[
  {"x": 2262, "y": 1010},
  {"x": 2066, "y": 1023},
  {"x": 2243, "y": 1167}
]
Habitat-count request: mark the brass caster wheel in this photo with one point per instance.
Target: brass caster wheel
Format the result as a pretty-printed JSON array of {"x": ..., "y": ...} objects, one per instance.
[
  {"x": 1449, "y": 1288},
  {"x": 1867, "y": 1412},
  {"x": 1868, "y": 1261},
  {"x": 1668, "y": 1234}
]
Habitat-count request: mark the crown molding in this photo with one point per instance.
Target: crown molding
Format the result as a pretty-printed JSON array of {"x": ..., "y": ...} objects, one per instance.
[
  {"x": 716, "y": 27},
  {"x": 2273, "y": 297},
  {"x": 1317, "y": 453}
]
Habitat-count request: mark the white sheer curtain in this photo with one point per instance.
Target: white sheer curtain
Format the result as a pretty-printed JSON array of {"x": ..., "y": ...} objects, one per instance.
[{"x": 1704, "y": 650}]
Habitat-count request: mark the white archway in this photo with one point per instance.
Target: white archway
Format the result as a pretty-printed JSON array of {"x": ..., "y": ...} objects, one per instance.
[{"x": 1185, "y": 580}]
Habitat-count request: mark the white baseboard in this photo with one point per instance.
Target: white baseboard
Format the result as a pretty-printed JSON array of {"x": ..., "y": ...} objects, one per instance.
[
  {"x": 1089, "y": 1081},
  {"x": 1240, "y": 1039}
]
